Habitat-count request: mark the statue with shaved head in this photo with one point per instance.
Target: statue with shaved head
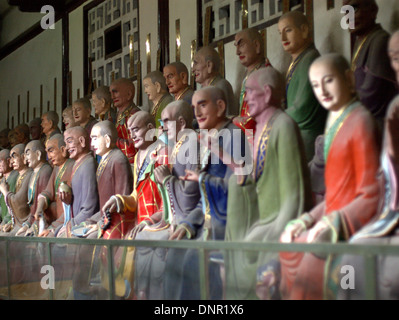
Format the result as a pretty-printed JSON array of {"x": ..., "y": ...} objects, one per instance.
[
  {"x": 300, "y": 101},
  {"x": 35, "y": 157},
  {"x": 83, "y": 202},
  {"x": 375, "y": 80},
  {"x": 206, "y": 69},
  {"x": 67, "y": 118},
  {"x": 49, "y": 124},
  {"x": 250, "y": 50},
  {"x": 145, "y": 199},
  {"x": 220, "y": 139},
  {"x": 177, "y": 80},
  {"x": 385, "y": 229},
  {"x": 17, "y": 201},
  {"x": 179, "y": 198},
  {"x": 122, "y": 93},
  {"x": 114, "y": 176},
  {"x": 277, "y": 190},
  {"x": 352, "y": 189},
  {"x": 10, "y": 177},
  {"x": 157, "y": 91},
  {"x": 81, "y": 109},
  {"x": 102, "y": 102},
  {"x": 49, "y": 205}
]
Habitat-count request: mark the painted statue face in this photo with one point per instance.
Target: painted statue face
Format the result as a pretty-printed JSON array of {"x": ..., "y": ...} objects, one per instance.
[
  {"x": 68, "y": 119},
  {"x": 293, "y": 38},
  {"x": 17, "y": 160},
  {"x": 98, "y": 105},
  {"x": 246, "y": 49},
  {"x": 74, "y": 144},
  {"x": 4, "y": 165},
  {"x": 206, "y": 111},
  {"x": 32, "y": 158},
  {"x": 174, "y": 81},
  {"x": 150, "y": 89},
  {"x": 121, "y": 94},
  {"x": 170, "y": 125},
  {"x": 138, "y": 131},
  {"x": 332, "y": 89},
  {"x": 98, "y": 141},
  {"x": 200, "y": 68},
  {"x": 393, "y": 52},
  {"x": 255, "y": 97},
  {"x": 55, "y": 154},
  {"x": 47, "y": 125},
  {"x": 80, "y": 113}
]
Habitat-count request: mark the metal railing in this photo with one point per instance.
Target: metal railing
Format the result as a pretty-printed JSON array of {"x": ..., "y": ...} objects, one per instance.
[{"x": 369, "y": 252}]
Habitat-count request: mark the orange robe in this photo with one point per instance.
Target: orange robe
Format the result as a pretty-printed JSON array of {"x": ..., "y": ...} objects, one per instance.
[
  {"x": 352, "y": 193},
  {"x": 125, "y": 142}
]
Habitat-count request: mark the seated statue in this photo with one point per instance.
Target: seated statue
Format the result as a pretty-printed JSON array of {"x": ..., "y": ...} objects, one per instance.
[
  {"x": 68, "y": 118},
  {"x": 17, "y": 201},
  {"x": 220, "y": 139},
  {"x": 206, "y": 69},
  {"x": 35, "y": 157},
  {"x": 83, "y": 202},
  {"x": 261, "y": 203},
  {"x": 155, "y": 87},
  {"x": 102, "y": 102},
  {"x": 49, "y": 205},
  {"x": 49, "y": 125},
  {"x": 82, "y": 113},
  {"x": 10, "y": 177},
  {"x": 385, "y": 228},
  {"x": 352, "y": 190},
  {"x": 301, "y": 103},
  {"x": 179, "y": 198}
]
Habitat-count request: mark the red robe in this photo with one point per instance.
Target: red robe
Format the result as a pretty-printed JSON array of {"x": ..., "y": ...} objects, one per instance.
[
  {"x": 146, "y": 199},
  {"x": 125, "y": 142},
  {"x": 352, "y": 190}
]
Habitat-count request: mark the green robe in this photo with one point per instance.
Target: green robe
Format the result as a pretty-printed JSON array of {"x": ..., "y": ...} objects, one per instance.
[
  {"x": 302, "y": 105},
  {"x": 156, "y": 111},
  {"x": 259, "y": 208},
  {"x": 11, "y": 181}
]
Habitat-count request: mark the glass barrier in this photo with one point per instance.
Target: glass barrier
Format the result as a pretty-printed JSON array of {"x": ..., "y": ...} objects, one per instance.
[{"x": 75, "y": 269}]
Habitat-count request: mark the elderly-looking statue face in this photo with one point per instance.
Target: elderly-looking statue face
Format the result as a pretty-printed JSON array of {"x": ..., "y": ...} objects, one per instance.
[
  {"x": 174, "y": 80},
  {"x": 56, "y": 155},
  {"x": 101, "y": 144},
  {"x": 4, "y": 164},
  {"x": 32, "y": 158},
  {"x": 17, "y": 160},
  {"x": 99, "y": 105},
  {"x": 81, "y": 114},
  {"x": 75, "y": 143}
]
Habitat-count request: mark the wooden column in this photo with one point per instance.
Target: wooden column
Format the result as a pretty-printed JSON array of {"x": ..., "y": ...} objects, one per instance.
[{"x": 163, "y": 32}]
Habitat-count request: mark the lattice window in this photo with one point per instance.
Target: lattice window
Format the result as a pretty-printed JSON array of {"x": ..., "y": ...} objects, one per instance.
[
  {"x": 224, "y": 18},
  {"x": 109, "y": 22}
]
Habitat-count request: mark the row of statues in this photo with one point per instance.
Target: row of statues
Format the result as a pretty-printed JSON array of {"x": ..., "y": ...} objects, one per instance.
[{"x": 314, "y": 141}]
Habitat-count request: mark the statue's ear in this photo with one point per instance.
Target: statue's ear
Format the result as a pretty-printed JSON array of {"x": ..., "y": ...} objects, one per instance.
[
  {"x": 82, "y": 141},
  {"x": 39, "y": 154},
  {"x": 64, "y": 152},
  {"x": 107, "y": 141}
]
